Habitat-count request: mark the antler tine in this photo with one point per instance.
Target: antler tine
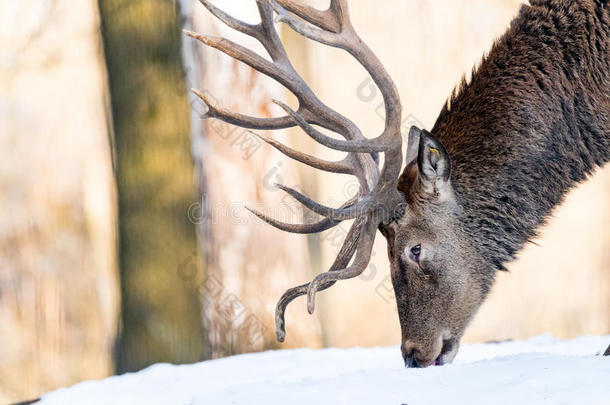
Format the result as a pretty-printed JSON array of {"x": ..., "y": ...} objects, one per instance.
[
  {"x": 366, "y": 240},
  {"x": 390, "y": 140},
  {"x": 269, "y": 36},
  {"x": 252, "y": 59},
  {"x": 339, "y": 9},
  {"x": 361, "y": 146},
  {"x": 280, "y": 70},
  {"x": 341, "y": 166},
  {"x": 345, "y": 37},
  {"x": 285, "y": 76},
  {"x": 283, "y": 72},
  {"x": 246, "y": 121},
  {"x": 248, "y": 29},
  {"x": 261, "y": 31},
  {"x": 323, "y": 19},
  {"x": 316, "y": 227},
  {"x": 349, "y": 40},
  {"x": 362, "y": 207},
  {"x": 341, "y": 261},
  {"x": 313, "y": 32},
  {"x": 393, "y": 112}
]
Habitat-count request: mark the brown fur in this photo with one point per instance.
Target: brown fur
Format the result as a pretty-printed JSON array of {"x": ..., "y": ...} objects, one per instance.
[{"x": 533, "y": 122}]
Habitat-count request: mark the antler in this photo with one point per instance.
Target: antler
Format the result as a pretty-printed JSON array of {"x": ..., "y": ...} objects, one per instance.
[{"x": 378, "y": 200}]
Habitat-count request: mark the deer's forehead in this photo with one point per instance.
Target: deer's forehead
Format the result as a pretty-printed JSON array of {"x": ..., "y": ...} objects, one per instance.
[
  {"x": 425, "y": 226},
  {"x": 413, "y": 225},
  {"x": 426, "y": 216}
]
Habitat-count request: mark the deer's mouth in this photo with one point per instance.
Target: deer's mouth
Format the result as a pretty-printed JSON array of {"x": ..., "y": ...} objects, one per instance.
[{"x": 448, "y": 352}]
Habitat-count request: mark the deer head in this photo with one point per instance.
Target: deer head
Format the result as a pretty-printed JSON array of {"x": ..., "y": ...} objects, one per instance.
[
  {"x": 439, "y": 278},
  {"x": 437, "y": 290}
]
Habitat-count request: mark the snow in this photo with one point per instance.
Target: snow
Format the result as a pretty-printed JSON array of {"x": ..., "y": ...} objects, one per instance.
[{"x": 540, "y": 370}]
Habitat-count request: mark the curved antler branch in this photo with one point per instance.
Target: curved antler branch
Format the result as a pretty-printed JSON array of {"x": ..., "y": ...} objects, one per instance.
[
  {"x": 316, "y": 227},
  {"x": 326, "y": 20},
  {"x": 237, "y": 25},
  {"x": 241, "y": 120},
  {"x": 243, "y": 54},
  {"x": 341, "y": 261},
  {"x": 309, "y": 31},
  {"x": 363, "y": 256},
  {"x": 360, "y": 208},
  {"x": 362, "y": 146},
  {"x": 378, "y": 198},
  {"x": 341, "y": 166}
]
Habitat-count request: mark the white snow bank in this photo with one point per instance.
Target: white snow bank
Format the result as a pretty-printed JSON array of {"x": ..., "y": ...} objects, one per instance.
[{"x": 540, "y": 370}]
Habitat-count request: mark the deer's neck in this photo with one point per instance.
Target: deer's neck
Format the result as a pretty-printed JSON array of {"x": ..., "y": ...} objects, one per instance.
[{"x": 533, "y": 122}]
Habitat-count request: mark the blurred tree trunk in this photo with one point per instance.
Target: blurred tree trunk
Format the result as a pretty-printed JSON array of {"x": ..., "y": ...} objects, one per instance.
[
  {"x": 161, "y": 316},
  {"x": 248, "y": 263},
  {"x": 59, "y": 293}
]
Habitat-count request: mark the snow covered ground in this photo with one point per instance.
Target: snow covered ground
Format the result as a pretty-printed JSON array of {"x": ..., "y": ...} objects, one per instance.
[{"x": 540, "y": 370}]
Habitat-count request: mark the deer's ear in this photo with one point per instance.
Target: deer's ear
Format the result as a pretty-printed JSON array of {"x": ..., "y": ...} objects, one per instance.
[
  {"x": 413, "y": 145},
  {"x": 410, "y": 172},
  {"x": 433, "y": 164}
]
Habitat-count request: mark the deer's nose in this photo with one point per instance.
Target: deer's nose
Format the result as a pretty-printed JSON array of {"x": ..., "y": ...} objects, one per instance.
[
  {"x": 409, "y": 352},
  {"x": 411, "y": 361}
]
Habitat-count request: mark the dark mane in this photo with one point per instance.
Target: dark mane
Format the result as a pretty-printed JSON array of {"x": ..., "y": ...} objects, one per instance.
[{"x": 532, "y": 122}]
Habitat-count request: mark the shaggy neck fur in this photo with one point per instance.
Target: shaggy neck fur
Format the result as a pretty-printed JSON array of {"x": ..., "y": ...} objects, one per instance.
[{"x": 533, "y": 122}]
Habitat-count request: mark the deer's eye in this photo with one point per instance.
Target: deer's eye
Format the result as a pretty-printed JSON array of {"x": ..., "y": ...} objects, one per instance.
[{"x": 415, "y": 252}]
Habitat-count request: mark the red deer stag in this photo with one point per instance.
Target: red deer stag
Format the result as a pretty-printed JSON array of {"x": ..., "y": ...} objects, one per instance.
[{"x": 532, "y": 122}]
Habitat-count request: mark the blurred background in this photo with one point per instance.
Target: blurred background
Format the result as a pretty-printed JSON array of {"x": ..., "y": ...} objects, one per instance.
[{"x": 123, "y": 236}]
